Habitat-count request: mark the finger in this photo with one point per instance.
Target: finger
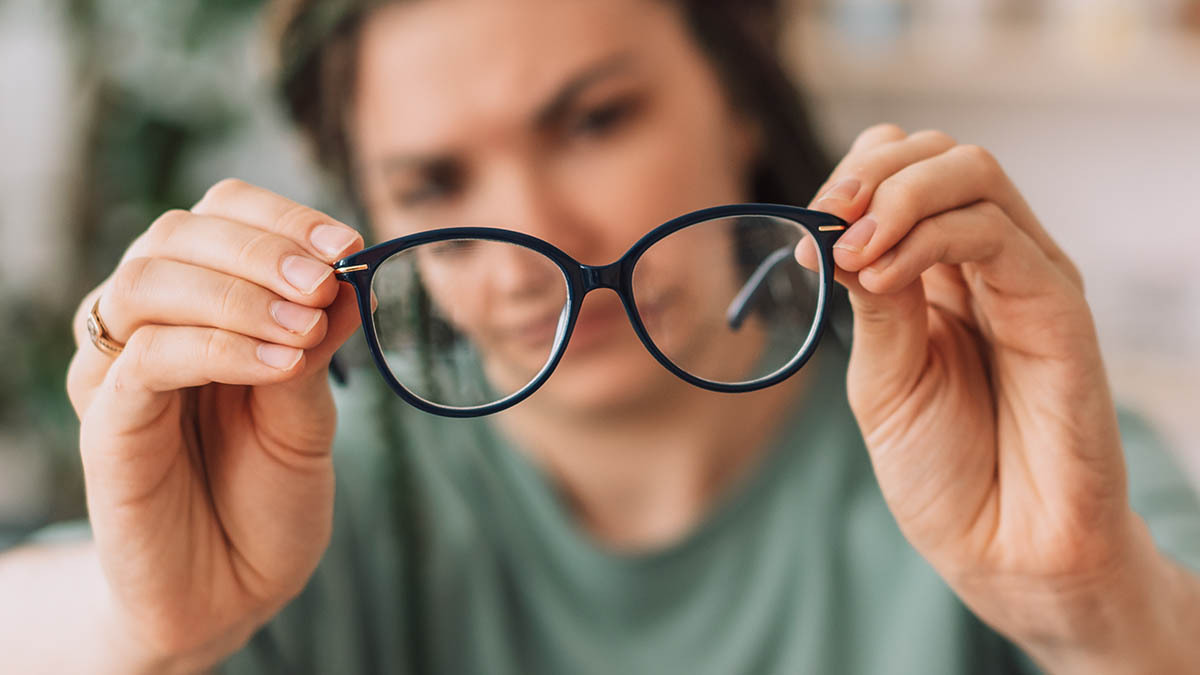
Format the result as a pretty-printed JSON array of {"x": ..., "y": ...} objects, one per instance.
[
  {"x": 296, "y": 395},
  {"x": 969, "y": 234},
  {"x": 322, "y": 236},
  {"x": 955, "y": 178},
  {"x": 1013, "y": 284},
  {"x": 161, "y": 359},
  {"x": 946, "y": 289},
  {"x": 862, "y": 172},
  {"x": 89, "y": 368},
  {"x": 807, "y": 254},
  {"x": 162, "y": 291},
  {"x": 143, "y": 384},
  {"x": 890, "y": 334},
  {"x": 270, "y": 260},
  {"x": 88, "y": 365},
  {"x": 934, "y": 251},
  {"x": 343, "y": 320},
  {"x": 870, "y": 137},
  {"x": 1008, "y": 197},
  {"x": 998, "y": 261},
  {"x": 876, "y": 135}
]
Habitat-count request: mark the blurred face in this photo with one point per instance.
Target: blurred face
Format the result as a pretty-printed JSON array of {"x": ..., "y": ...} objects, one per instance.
[{"x": 583, "y": 123}]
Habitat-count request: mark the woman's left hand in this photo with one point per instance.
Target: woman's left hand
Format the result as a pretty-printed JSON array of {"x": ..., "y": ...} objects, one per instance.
[{"x": 977, "y": 381}]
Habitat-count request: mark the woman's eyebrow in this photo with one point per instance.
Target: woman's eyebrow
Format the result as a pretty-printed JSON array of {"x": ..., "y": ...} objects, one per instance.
[
  {"x": 546, "y": 115},
  {"x": 557, "y": 106}
]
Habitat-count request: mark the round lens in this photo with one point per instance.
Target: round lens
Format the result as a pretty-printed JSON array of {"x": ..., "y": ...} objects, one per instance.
[
  {"x": 725, "y": 299},
  {"x": 465, "y": 323}
]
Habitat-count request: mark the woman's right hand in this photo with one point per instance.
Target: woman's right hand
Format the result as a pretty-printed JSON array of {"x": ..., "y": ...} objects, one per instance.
[{"x": 206, "y": 442}]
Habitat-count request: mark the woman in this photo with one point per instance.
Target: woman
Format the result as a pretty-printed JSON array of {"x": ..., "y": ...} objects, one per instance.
[{"x": 964, "y": 453}]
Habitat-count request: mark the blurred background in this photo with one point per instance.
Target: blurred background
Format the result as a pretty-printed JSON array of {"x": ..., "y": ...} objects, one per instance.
[{"x": 115, "y": 111}]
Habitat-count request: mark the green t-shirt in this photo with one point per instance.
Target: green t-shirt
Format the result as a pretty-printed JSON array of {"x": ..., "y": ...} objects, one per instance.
[{"x": 452, "y": 553}]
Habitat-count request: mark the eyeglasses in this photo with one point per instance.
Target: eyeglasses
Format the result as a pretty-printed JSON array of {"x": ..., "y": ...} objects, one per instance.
[{"x": 470, "y": 321}]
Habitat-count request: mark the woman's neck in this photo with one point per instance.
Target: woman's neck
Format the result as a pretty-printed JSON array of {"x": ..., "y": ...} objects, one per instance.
[{"x": 644, "y": 477}]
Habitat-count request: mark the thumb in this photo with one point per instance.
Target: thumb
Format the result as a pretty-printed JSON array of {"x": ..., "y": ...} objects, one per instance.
[
  {"x": 888, "y": 353},
  {"x": 344, "y": 320},
  {"x": 301, "y": 413},
  {"x": 890, "y": 330}
]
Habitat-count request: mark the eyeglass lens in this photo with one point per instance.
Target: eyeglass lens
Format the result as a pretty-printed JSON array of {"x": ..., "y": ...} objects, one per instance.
[
  {"x": 725, "y": 299},
  {"x": 468, "y": 322}
]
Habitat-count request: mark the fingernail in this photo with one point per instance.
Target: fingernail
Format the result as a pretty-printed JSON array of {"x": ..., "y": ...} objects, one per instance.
[
  {"x": 332, "y": 240},
  {"x": 844, "y": 190},
  {"x": 278, "y": 356},
  {"x": 305, "y": 274},
  {"x": 295, "y": 318},
  {"x": 855, "y": 239}
]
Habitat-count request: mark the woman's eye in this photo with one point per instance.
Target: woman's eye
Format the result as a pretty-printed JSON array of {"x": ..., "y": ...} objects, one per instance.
[
  {"x": 422, "y": 194},
  {"x": 603, "y": 119},
  {"x": 439, "y": 183}
]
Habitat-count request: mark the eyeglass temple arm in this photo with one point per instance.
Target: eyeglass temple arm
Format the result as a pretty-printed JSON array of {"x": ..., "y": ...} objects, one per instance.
[{"x": 742, "y": 303}]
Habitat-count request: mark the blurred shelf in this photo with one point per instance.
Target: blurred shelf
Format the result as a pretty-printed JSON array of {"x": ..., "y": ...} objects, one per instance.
[{"x": 1049, "y": 62}]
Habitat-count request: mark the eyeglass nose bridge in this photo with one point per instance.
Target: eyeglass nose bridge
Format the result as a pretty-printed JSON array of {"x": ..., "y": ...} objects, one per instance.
[{"x": 601, "y": 276}]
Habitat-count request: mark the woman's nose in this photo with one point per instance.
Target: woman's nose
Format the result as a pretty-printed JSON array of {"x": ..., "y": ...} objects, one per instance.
[{"x": 517, "y": 272}]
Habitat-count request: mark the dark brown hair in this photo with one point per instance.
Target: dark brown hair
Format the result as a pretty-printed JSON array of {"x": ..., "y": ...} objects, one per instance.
[{"x": 316, "y": 44}]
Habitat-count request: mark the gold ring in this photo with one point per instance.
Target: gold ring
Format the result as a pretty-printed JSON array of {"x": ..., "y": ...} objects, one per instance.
[{"x": 98, "y": 332}]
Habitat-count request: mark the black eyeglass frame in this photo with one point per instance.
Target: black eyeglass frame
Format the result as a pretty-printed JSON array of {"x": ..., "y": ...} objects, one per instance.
[{"x": 359, "y": 269}]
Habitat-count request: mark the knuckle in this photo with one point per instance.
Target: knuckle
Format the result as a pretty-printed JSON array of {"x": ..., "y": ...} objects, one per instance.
[
  {"x": 232, "y": 298},
  {"x": 157, "y": 235},
  {"x": 935, "y": 137},
  {"x": 218, "y": 346},
  {"x": 900, "y": 194},
  {"x": 131, "y": 277},
  {"x": 876, "y": 135},
  {"x": 227, "y": 187},
  {"x": 884, "y": 129},
  {"x": 163, "y": 227},
  {"x": 297, "y": 220},
  {"x": 263, "y": 250},
  {"x": 980, "y": 156},
  {"x": 142, "y": 350},
  {"x": 991, "y": 211},
  {"x": 222, "y": 190},
  {"x": 214, "y": 346}
]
